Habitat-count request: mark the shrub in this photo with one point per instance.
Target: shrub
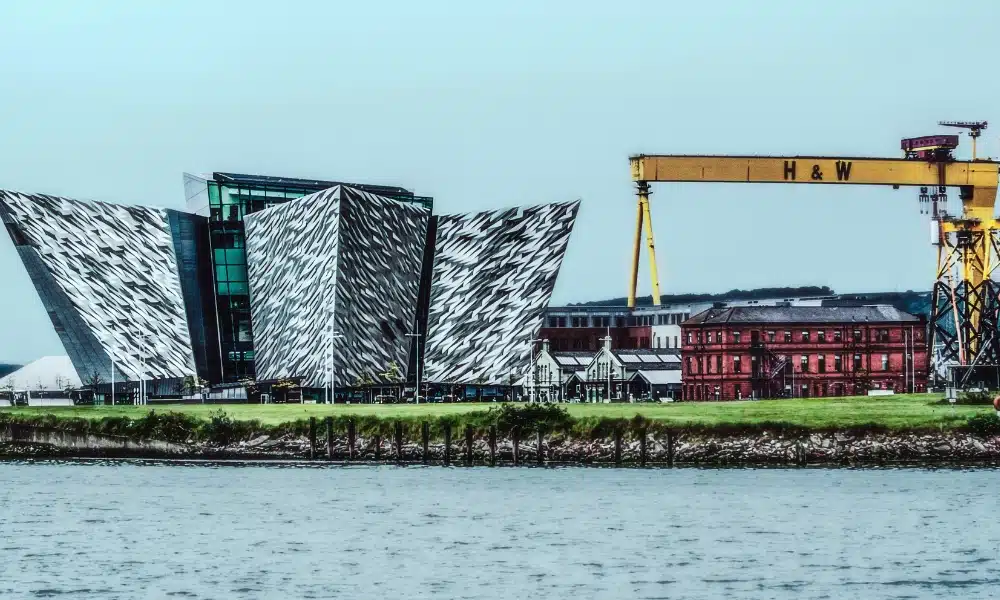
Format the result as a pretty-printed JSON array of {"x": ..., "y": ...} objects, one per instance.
[
  {"x": 984, "y": 424},
  {"x": 529, "y": 417}
]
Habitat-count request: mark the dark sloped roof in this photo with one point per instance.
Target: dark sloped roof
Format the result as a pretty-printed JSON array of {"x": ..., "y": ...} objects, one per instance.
[{"x": 802, "y": 314}]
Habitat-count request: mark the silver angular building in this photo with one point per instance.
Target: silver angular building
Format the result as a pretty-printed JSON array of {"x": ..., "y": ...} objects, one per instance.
[
  {"x": 110, "y": 278},
  {"x": 338, "y": 270},
  {"x": 493, "y": 276},
  {"x": 278, "y": 278}
]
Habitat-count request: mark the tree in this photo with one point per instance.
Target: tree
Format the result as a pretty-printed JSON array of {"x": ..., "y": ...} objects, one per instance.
[
  {"x": 8, "y": 390},
  {"x": 192, "y": 385},
  {"x": 251, "y": 388},
  {"x": 93, "y": 380}
]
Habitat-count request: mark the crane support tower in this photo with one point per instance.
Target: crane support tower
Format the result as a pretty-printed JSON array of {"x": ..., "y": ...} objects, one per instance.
[{"x": 965, "y": 319}]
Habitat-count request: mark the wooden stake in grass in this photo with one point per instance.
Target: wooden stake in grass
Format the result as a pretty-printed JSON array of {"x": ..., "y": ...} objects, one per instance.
[
  {"x": 312, "y": 437},
  {"x": 447, "y": 444},
  {"x": 352, "y": 438},
  {"x": 329, "y": 437},
  {"x": 618, "y": 446},
  {"x": 540, "y": 457},
  {"x": 514, "y": 437},
  {"x": 642, "y": 447},
  {"x": 468, "y": 445},
  {"x": 425, "y": 439},
  {"x": 493, "y": 445},
  {"x": 399, "y": 441}
]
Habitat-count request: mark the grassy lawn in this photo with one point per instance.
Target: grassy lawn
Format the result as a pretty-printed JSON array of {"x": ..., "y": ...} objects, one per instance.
[{"x": 902, "y": 411}]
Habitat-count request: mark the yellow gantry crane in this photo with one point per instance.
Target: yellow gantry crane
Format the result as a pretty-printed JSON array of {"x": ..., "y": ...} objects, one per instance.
[{"x": 967, "y": 243}]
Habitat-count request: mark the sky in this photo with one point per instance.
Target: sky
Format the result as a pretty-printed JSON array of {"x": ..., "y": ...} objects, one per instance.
[{"x": 491, "y": 104}]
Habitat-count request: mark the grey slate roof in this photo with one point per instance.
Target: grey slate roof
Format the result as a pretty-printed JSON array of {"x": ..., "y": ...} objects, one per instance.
[{"x": 802, "y": 314}]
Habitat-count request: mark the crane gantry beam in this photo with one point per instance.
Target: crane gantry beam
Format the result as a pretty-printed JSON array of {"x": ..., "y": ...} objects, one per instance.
[{"x": 970, "y": 242}]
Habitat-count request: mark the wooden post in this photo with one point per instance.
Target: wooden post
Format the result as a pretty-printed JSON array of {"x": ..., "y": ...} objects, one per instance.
[
  {"x": 378, "y": 447},
  {"x": 399, "y": 441},
  {"x": 352, "y": 438},
  {"x": 800, "y": 454},
  {"x": 493, "y": 445},
  {"x": 642, "y": 447},
  {"x": 670, "y": 448},
  {"x": 329, "y": 437},
  {"x": 447, "y": 443},
  {"x": 425, "y": 438},
  {"x": 514, "y": 436},
  {"x": 468, "y": 445},
  {"x": 540, "y": 457},
  {"x": 618, "y": 446},
  {"x": 312, "y": 437}
]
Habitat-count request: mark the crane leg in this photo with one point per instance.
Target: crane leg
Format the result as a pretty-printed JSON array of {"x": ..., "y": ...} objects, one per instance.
[
  {"x": 648, "y": 222},
  {"x": 634, "y": 277}
]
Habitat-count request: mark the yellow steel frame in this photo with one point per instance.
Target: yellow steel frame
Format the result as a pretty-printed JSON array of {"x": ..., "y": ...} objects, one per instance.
[{"x": 976, "y": 179}]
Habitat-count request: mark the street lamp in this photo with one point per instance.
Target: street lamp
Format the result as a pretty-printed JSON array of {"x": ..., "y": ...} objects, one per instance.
[
  {"x": 110, "y": 337},
  {"x": 417, "y": 335},
  {"x": 330, "y": 396}
]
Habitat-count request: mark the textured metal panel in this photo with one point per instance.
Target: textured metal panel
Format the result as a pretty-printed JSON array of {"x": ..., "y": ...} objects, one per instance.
[
  {"x": 110, "y": 281},
  {"x": 494, "y": 273},
  {"x": 339, "y": 253},
  {"x": 291, "y": 266}
]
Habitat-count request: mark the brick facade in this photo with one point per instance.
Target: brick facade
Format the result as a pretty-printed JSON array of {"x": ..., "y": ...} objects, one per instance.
[{"x": 729, "y": 354}]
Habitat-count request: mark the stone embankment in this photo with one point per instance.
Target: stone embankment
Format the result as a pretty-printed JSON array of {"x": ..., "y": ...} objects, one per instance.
[{"x": 677, "y": 448}]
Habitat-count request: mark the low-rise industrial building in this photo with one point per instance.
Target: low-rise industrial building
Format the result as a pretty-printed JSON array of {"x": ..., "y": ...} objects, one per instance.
[
  {"x": 619, "y": 375},
  {"x": 801, "y": 351}
]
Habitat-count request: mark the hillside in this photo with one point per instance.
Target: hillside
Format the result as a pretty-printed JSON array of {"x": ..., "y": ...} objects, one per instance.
[{"x": 918, "y": 303}]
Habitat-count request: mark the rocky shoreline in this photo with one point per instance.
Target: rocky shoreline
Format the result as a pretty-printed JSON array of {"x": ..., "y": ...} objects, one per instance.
[{"x": 677, "y": 448}]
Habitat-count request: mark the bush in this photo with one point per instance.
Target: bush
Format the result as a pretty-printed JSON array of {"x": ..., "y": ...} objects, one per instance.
[
  {"x": 973, "y": 399},
  {"x": 984, "y": 424},
  {"x": 222, "y": 429},
  {"x": 529, "y": 417}
]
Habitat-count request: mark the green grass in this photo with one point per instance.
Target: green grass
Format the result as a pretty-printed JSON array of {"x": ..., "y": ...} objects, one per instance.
[{"x": 918, "y": 411}]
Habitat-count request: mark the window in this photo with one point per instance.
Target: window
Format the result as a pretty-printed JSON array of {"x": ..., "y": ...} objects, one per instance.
[
  {"x": 857, "y": 362},
  {"x": 837, "y": 366},
  {"x": 737, "y": 366},
  {"x": 821, "y": 364},
  {"x": 856, "y": 335},
  {"x": 718, "y": 337},
  {"x": 804, "y": 363},
  {"x": 805, "y": 337},
  {"x": 553, "y": 322},
  {"x": 718, "y": 363},
  {"x": 770, "y": 336},
  {"x": 836, "y": 337},
  {"x": 788, "y": 337},
  {"x": 883, "y": 335},
  {"x": 676, "y": 345},
  {"x": 690, "y": 365},
  {"x": 736, "y": 337},
  {"x": 577, "y": 322},
  {"x": 701, "y": 365},
  {"x": 885, "y": 362},
  {"x": 690, "y": 337},
  {"x": 821, "y": 338},
  {"x": 699, "y": 337}
]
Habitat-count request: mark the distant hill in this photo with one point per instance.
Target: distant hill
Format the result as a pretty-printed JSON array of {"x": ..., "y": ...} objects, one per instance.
[
  {"x": 917, "y": 303},
  {"x": 6, "y": 369},
  {"x": 777, "y": 292}
]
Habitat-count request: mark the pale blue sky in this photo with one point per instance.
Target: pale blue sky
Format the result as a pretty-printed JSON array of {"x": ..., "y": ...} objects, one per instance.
[{"x": 489, "y": 104}]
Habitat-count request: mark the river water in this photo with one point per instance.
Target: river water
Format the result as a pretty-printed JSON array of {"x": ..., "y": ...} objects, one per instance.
[{"x": 163, "y": 530}]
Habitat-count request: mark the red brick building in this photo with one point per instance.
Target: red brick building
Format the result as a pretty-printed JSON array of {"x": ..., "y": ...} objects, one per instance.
[{"x": 800, "y": 351}]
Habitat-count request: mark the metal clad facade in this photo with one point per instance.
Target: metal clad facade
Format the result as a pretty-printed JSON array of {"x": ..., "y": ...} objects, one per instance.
[{"x": 494, "y": 273}]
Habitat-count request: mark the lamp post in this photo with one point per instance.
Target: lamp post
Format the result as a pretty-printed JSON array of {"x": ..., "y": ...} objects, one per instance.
[
  {"x": 416, "y": 334},
  {"x": 330, "y": 396}
]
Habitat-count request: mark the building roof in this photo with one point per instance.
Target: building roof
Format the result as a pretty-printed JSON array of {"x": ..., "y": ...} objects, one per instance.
[
  {"x": 307, "y": 184},
  {"x": 802, "y": 314},
  {"x": 49, "y": 373},
  {"x": 649, "y": 359},
  {"x": 670, "y": 377}
]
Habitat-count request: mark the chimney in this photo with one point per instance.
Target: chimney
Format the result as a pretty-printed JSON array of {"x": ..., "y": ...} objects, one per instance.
[{"x": 545, "y": 346}]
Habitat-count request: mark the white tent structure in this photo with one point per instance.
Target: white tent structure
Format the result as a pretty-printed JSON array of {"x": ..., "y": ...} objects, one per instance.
[{"x": 47, "y": 374}]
